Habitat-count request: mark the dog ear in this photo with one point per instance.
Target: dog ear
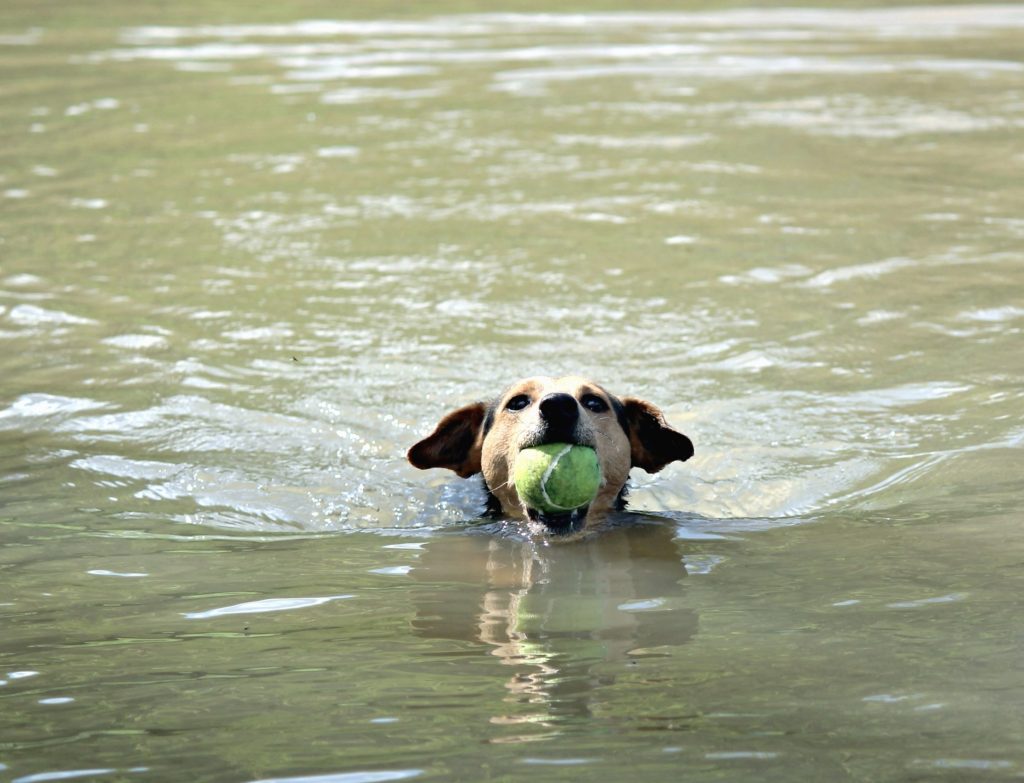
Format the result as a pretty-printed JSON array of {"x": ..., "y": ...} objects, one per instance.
[
  {"x": 653, "y": 444},
  {"x": 454, "y": 444}
]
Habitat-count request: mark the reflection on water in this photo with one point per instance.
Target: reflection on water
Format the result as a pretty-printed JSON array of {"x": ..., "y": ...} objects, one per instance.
[
  {"x": 555, "y": 613},
  {"x": 248, "y": 256}
]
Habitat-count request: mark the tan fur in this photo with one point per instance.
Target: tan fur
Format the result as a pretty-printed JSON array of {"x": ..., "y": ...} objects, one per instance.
[
  {"x": 460, "y": 444},
  {"x": 512, "y": 431}
]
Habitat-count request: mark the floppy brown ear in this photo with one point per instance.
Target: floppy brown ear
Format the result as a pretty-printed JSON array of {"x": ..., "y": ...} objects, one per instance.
[
  {"x": 455, "y": 443},
  {"x": 653, "y": 444}
]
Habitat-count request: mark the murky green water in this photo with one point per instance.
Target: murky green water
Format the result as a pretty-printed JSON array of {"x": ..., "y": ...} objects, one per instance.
[{"x": 248, "y": 256}]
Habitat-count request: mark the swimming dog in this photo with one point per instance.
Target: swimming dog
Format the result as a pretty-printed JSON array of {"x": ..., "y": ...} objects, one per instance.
[{"x": 485, "y": 438}]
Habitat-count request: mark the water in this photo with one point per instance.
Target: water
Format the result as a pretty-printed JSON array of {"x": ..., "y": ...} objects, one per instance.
[{"x": 247, "y": 257}]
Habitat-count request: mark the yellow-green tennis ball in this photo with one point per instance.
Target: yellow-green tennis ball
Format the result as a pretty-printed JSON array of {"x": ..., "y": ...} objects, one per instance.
[{"x": 557, "y": 477}]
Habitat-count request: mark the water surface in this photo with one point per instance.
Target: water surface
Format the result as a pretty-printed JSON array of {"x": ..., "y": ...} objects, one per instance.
[{"x": 248, "y": 257}]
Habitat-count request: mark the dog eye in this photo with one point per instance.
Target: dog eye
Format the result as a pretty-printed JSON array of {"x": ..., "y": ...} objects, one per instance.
[
  {"x": 518, "y": 402},
  {"x": 594, "y": 403}
]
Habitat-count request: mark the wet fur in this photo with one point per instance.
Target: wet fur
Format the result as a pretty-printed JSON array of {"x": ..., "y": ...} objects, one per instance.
[{"x": 486, "y": 437}]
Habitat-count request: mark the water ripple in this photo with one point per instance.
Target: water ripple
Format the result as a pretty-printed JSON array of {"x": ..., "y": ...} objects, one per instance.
[
  {"x": 265, "y": 605},
  {"x": 377, "y": 776}
]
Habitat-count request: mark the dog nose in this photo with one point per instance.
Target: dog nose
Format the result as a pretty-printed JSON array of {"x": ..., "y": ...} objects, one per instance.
[{"x": 560, "y": 408}]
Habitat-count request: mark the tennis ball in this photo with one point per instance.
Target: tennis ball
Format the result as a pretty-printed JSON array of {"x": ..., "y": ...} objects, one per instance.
[{"x": 557, "y": 476}]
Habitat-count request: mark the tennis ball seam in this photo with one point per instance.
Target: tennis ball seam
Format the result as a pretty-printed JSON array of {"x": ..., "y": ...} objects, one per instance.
[
  {"x": 540, "y": 476},
  {"x": 547, "y": 474}
]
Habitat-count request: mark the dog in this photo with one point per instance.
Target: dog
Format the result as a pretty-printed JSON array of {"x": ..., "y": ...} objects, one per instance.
[{"x": 485, "y": 438}]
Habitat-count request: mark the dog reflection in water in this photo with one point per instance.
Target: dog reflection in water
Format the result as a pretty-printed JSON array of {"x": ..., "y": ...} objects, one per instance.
[{"x": 566, "y": 618}]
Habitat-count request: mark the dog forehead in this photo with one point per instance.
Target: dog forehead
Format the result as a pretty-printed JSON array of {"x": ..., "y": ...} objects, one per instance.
[
  {"x": 575, "y": 384},
  {"x": 542, "y": 384}
]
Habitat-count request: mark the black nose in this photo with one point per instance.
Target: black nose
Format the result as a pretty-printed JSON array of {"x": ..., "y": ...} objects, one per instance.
[{"x": 559, "y": 408}]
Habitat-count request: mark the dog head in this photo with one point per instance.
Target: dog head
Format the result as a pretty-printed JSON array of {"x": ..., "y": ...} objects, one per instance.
[{"x": 486, "y": 437}]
